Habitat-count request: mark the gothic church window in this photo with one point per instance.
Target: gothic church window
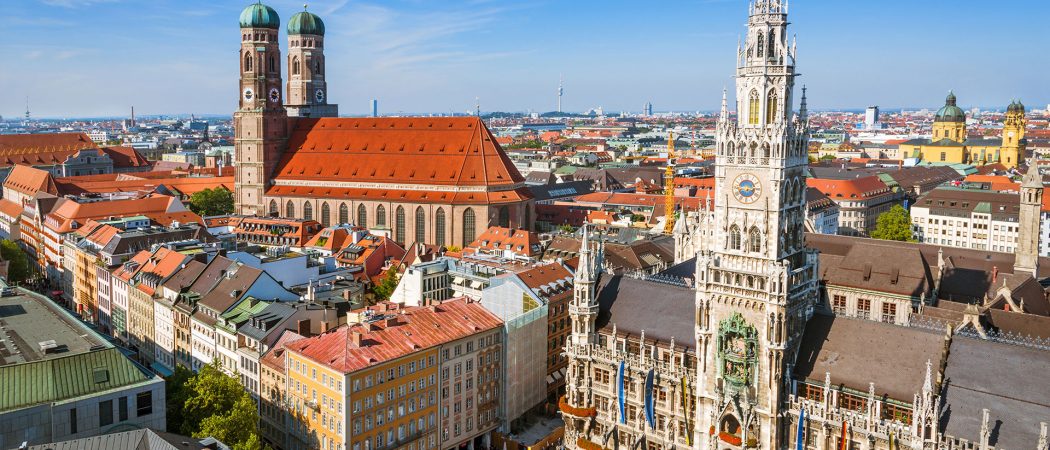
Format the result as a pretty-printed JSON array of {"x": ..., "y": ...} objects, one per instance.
[
  {"x": 421, "y": 225},
  {"x": 362, "y": 216},
  {"x": 504, "y": 217},
  {"x": 324, "y": 215},
  {"x": 752, "y": 108},
  {"x": 248, "y": 62},
  {"x": 344, "y": 214},
  {"x": 754, "y": 241},
  {"x": 439, "y": 227},
  {"x": 289, "y": 209},
  {"x": 308, "y": 211},
  {"x": 468, "y": 226},
  {"x": 761, "y": 45},
  {"x": 399, "y": 225},
  {"x": 380, "y": 216},
  {"x": 273, "y": 208},
  {"x": 734, "y": 237},
  {"x": 771, "y": 46},
  {"x": 295, "y": 65}
]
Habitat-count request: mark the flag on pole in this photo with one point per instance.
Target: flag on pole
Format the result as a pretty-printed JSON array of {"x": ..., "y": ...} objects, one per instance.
[
  {"x": 842, "y": 441},
  {"x": 800, "y": 438}
]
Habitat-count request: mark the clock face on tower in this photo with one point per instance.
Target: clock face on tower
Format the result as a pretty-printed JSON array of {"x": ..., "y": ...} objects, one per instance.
[
  {"x": 319, "y": 96},
  {"x": 275, "y": 95},
  {"x": 249, "y": 95},
  {"x": 747, "y": 188}
]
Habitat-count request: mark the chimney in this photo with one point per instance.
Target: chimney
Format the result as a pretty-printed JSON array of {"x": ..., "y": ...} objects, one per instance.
[
  {"x": 356, "y": 338},
  {"x": 303, "y": 327},
  {"x": 995, "y": 274}
]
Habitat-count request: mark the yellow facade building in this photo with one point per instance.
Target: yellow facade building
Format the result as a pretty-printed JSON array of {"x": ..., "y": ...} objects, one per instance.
[
  {"x": 376, "y": 383},
  {"x": 950, "y": 144}
]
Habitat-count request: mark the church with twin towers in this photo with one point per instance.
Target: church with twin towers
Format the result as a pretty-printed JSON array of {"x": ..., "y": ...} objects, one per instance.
[{"x": 738, "y": 347}]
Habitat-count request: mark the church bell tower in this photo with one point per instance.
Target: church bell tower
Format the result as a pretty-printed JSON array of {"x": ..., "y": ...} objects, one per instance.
[
  {"x": 260, "y": 123},
  {"x": 307, "y": 89},
  {"x": 755, "y": 279}
]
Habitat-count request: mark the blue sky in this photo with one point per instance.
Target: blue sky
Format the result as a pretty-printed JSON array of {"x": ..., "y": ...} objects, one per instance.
[{"x": 100, "y": 57}]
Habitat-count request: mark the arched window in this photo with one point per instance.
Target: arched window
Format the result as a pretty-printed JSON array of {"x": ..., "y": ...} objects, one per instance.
[
  {"x": 771, "y": 46},
  {"x": 273, "y": 208},
  {"x": 421, "y": 225},
  {"x": 380, "y": 216},
  {"x": 317, "y": 67},
  {"x": 752, "y": 108},
  {"x": 439, "y": 227},
  {"x": 362, "y": 216},
  {"x": 247, "y": 61},
  {"x": 273, "y": 65},
  {"x": 771, "y": 107},
  {"x": 761, "y": 45},
  {"x": 399, "y": 225},
  {"x": 734, "y": 238},
  {"x": 324, "y": 214},
  {"x": 295, "y": 65},
  {"x": 468, "y": 226},
  {"x": 344, "y": 213},
  {"x": 308, "y": 211},
  {"x": 504, "y": 217},
  {"x": 754, "y": 241},
  {"x": 289, "y": 209}
]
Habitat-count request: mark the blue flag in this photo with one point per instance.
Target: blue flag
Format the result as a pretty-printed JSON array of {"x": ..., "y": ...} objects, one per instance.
[{"x": 800, "y": 439}]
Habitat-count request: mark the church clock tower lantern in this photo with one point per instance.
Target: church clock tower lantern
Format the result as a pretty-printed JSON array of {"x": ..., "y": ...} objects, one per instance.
[
  {"x": 260, "y": 123},
  {"x": 755, "y": 278}
]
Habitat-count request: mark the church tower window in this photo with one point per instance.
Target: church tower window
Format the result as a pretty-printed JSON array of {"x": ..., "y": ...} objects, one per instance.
[
  {"x": 504, "y": 217},
  {"x": 754, "y": 241},
  {"x": 752, "y": 108},
  {"x": 247, "y": 62},
  {"x": 771, "y": 106},
  {"x": 761, "y": 45},
  {"x": 295, "y": 65},
  {"x": 734, "y": 238}
]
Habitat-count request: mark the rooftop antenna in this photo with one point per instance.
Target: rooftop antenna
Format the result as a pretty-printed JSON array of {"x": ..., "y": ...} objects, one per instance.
[
  {"x": 560, "y": 91},
  {"x": 27, "y": 108}
]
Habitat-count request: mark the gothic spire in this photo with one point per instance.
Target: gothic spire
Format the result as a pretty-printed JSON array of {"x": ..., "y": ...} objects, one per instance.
[
  {"x": 724, "y": 114},
  {"x": 803, "y": 113}
]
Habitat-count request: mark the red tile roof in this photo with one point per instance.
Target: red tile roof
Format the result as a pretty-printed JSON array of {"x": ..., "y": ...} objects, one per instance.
[
  {"x": 160, "y": 208},
  {"x": 31, "y": 149},
  {"x": 401, "y": 331},
  {"x": 626, "y": 199},
  {"x": 519, "y": 241},
  {"x": 30, "y": 180},
  {"x": 855, "y": 188},
  {"x": 10, "y": 209},
  {"x": 445, "y": 151},
  {"x": 125, "y": 157}
]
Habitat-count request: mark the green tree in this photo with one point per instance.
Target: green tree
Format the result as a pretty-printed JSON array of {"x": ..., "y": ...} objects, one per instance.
[
  {"x": 894, "y": 225},
  {"x": 212, "y": 202},
  {"x": 217, "y": 405},
  {"x": 177, "y": 393},
  {"x": 18, "y": 270},
  {"x": 386, "y": 286}
]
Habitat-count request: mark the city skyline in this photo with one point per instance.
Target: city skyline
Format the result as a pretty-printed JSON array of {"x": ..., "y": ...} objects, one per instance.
[{"x": 508, "y": 55}]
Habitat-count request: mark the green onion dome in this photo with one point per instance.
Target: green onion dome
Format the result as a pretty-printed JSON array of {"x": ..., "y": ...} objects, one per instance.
[
  {"x": 258, "y": 15},
  {"x": 950, "y": 112},
  {"x": 305, "y": 22}
]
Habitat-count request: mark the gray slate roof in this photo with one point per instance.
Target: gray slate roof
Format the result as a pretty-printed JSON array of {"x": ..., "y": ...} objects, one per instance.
[
  {"x": 1005, "y": 379},
  {"x": 661, "y": 310},
  {"x": 857, "y": 352}
]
